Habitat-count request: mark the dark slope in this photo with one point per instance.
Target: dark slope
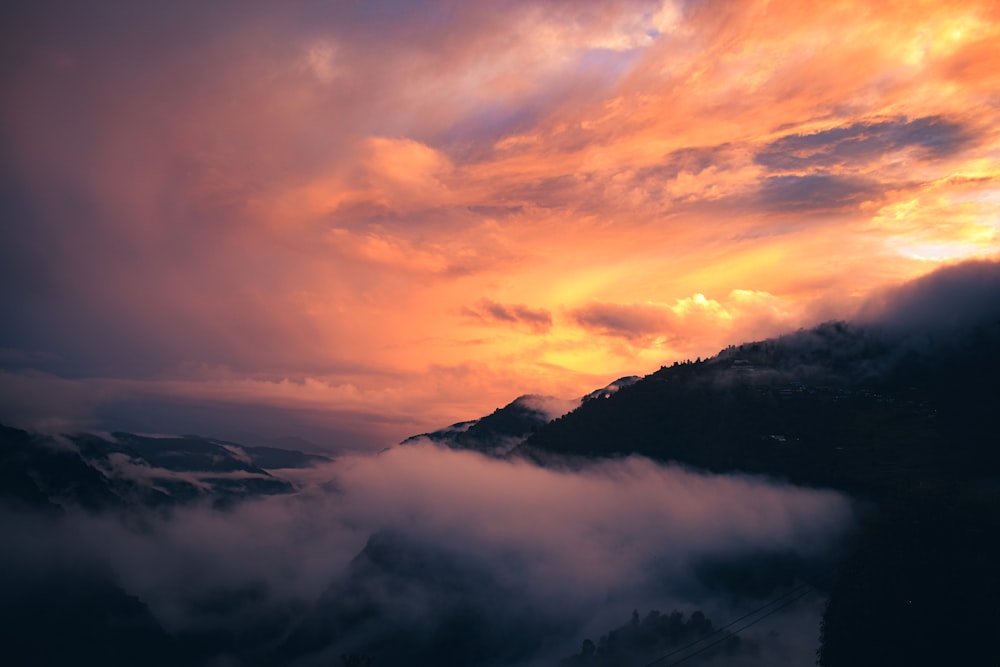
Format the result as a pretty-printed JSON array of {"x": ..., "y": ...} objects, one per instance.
[
  {"x": 851, "y": 407},
  {"x": 920, "y": 584},
  {"x": 76, "y": 617}
]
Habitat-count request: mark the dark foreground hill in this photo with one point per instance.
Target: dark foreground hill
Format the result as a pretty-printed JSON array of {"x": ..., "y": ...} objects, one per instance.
[
  {"x": 905, "y": 395},
  {"x": 862, "y": 408},
  {"x": 920, "y": 584},
  {"x": 852, "y": 407}
]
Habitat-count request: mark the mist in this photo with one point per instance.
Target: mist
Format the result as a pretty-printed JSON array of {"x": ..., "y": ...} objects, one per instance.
[{"x": 380, "y": 554}]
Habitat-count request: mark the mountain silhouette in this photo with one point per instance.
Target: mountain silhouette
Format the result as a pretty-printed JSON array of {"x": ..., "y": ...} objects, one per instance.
[
  {"x": 505, "y": 428},
  {"x": 849, "y": 406}
]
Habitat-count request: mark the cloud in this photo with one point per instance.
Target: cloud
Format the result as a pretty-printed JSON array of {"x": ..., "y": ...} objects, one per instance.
[
  {"x": 538, "y": 320},
  {"x": 550, "y": 406},
  {"x": 855, "y": 146},
  {"x": 46, "y": 403},
  {"x": 947, "y": 300},
  {"x": 406, "y": 174},
  {"x": 691, "y": 159},
  {"x": 744, "y": 313},
  {"x": 394, "y": 253},
  {"x": 816, "y": 193},
  {"x": 630, "y": 321}
]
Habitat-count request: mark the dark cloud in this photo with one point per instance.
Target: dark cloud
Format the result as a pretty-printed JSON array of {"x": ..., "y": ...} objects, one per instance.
[
  {"x": 692, "y": 160},
  {"x": 859, "y": 143},
  {"x": 51, "y": 404},
  {"x": 539, "y": 320},
  {"x": 624, "y": 320},
  {"x": 815, "y": 193},
  {"x": 948, "y": 299}
]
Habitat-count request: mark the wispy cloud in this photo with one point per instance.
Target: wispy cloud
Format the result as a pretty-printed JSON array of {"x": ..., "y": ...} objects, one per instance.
[{"x": 538, "y": 320}]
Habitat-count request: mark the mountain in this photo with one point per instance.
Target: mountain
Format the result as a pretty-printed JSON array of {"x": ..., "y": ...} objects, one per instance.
[
  {"x": 855, "y": 407},
  {"x": 899, "y": 411},
  {"x": 507, "y": 427},
  {"x": 124, "y": 470},
  {"x": 902, "y": 396},
  {"x": 859, "y": 407}
]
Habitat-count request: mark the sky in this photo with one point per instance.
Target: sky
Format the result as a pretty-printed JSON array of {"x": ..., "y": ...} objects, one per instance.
[{"x": 356, "y": 221}]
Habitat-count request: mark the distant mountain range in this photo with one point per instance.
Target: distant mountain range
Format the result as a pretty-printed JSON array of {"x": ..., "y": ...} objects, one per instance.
[{"x": 125, "y": 470}]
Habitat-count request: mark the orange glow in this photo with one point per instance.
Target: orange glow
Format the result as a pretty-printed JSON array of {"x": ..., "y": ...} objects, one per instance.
[{"x": 381, "y": 213}]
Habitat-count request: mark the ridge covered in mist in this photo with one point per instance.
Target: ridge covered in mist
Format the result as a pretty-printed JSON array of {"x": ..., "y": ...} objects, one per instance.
[
  {"x": 902, "y": 395},
  {"x": 505, "y": 428},
  {"x": 842, "y": 405},
  {"x": 125, "y": 470}
]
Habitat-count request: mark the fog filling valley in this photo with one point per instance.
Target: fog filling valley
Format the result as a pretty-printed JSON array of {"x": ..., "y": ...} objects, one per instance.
[{"x": 541, "y": 557}]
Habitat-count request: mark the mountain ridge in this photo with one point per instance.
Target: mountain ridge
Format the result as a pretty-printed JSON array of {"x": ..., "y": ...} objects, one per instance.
[
  {"x": 861, "y": 407},
  {"x": 848, "y": 406},
  {"x": 123, "y": 470},
  {"x": 506, "y": 427}
]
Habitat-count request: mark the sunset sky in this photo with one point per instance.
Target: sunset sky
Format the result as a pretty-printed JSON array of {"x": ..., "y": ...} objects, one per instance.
[{"x": 364, "y": 219}]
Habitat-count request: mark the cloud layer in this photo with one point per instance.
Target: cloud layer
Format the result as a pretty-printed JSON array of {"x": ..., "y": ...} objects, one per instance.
[{"x": 579, "y": 548}]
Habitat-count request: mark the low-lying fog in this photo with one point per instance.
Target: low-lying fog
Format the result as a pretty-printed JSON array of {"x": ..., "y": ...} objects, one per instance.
[{"x": 538, "y": 558}]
